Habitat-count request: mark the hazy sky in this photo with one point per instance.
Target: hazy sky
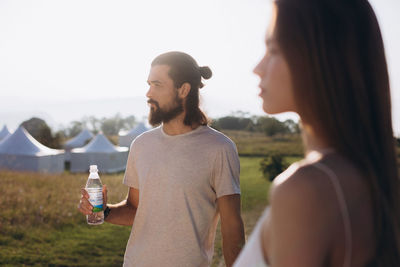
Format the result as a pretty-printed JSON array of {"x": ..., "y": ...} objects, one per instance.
[{"x": 52, "y": 51}]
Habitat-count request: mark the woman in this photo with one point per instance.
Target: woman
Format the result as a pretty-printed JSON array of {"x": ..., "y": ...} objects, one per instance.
[{"x": 340, "y": 205}]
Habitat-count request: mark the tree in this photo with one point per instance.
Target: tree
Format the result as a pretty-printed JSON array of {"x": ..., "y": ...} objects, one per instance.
[
  {"x": 233, "y": 123},
  {"x": 292, "y": 126},
  {"x": 109, "y": 126},
  {"x": 273, "y": 165},
  {"x": 94, "y": 124},
  {"x": 243, "y": 121},
  {"x": 75, "y": 129},
  {"x": 129, "y": 122},
  {"x": 271, "y": 126},
  {"x": 112, "y": 126},
  {"x": 214, "y": 124},
  {"x": 39, "y": 129}
]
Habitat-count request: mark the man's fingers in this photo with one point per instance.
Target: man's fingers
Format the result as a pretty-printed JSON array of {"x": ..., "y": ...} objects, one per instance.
[
  {"x": 84, "y": 206},
  {"x": 84, "y": 193}
]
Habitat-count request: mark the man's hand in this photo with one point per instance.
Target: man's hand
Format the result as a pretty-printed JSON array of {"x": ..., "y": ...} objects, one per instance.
[{"x": 84, "y": 205}]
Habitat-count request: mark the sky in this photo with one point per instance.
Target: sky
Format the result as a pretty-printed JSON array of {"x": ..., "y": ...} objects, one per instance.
[{"x": 62, "y": 60}]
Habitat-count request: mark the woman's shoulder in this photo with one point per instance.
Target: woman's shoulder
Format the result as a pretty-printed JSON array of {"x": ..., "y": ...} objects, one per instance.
[
  {"x": 301, "y": 175},
  {"x": 302, "y": 215},
  {"x": 316, "y": 174},
  {"x": 304, "y": 185},
  {"x": 305, "y": 200}
]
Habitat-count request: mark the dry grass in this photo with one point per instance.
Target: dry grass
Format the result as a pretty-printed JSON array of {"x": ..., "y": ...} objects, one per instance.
[
  {"x": 46, "y": 199},
  {"x": 258, "y": 144},
  {"x": 39, "y": 214}
]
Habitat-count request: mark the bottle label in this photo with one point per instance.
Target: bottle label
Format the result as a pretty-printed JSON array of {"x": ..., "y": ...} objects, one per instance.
[{"x": 95, "y": 198}]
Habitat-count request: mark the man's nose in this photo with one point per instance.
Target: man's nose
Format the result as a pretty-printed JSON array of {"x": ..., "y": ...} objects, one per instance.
[{"x": 149, "y": 93}]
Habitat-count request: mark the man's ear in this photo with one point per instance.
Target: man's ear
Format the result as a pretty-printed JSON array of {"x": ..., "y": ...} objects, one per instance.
[{"x": 184, "y": 90}]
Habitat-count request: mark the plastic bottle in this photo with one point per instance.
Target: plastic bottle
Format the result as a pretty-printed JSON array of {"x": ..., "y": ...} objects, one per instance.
[{"x": 94, "y": 189}]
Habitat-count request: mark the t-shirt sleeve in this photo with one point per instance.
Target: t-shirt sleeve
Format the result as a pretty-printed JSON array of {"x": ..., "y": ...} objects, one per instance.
[
  {"x": 227, "y": 171},
  {"x": 131, "y": 178}
]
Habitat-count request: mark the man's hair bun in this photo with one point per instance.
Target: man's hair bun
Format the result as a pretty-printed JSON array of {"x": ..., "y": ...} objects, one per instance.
[{"x": 205, "y": 72}]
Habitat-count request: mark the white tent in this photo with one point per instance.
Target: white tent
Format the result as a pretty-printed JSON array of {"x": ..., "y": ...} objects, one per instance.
[
  {"x": 4, "y": 133},
  {"x": 100, "y": 152},
  {"x": 20, "y": 151},
  {"x": 125, "y": 139},
  {"x": 78, "y": 141}
]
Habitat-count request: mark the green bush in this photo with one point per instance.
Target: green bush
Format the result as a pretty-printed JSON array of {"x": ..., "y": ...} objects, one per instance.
[{"x": 273, "y": 165}]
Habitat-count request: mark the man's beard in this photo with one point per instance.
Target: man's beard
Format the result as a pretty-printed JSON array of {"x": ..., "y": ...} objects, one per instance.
[{"x": 158, "y": 115}]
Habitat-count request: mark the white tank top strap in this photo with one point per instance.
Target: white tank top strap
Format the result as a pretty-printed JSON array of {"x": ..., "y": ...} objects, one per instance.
[{"x": 343, "y": 210}]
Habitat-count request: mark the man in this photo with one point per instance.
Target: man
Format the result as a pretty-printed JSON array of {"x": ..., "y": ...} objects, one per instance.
[{"x": 181, "y": 176}]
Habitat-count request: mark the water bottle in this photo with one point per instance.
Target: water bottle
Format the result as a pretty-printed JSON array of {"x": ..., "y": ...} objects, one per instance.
[{"x": 94, "y": 189}]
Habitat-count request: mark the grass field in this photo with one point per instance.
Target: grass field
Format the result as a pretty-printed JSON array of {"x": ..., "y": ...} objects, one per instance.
[
  {"x": 258, "y": 144},
  {"x": 40, "y": 224}
]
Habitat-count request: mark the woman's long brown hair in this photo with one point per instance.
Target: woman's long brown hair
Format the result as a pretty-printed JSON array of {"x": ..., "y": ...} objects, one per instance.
[{"x": 337, "y": 61}]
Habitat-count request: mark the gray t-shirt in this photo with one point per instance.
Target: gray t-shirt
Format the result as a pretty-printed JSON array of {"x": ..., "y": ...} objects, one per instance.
[{"x": 179, "y": 179}]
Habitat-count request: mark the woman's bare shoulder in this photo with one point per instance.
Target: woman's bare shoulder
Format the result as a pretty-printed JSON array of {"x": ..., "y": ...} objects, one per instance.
[
  {"x": 302, "y": 182},
  {"x": 301, "y": 218},
  {"x": 304, "y": 193}
]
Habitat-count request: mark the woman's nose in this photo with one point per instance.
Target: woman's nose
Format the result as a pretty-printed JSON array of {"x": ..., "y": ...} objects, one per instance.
[{"x": 259, "y": 69}]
